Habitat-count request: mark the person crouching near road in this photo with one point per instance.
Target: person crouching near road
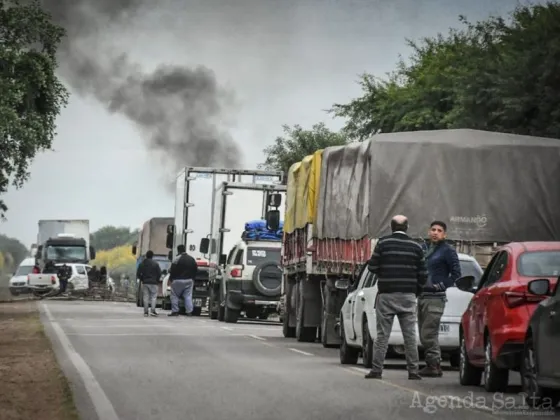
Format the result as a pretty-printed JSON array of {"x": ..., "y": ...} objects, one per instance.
[
  {"x": 181, "y": 277},
  {"x": 443, "y": 270},
  {"x": 149, "y": 273},
  {"x": 399, "y": 264}
]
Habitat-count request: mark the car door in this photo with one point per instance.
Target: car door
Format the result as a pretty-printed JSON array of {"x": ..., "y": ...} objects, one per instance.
[
  {"x": 80, "y": 282},
  {"x": 365, "y": 299},
  {"x": 548, "y": 336},
  {"x": 350, "y": 304},
  {"x": 483, "y": 298}
]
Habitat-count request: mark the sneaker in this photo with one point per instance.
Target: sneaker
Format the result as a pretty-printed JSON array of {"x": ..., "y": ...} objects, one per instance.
[
  {"x": 431, "y": 371},
  {"x": 154, "y": 313},
  {"x": 374, "y": 375},
  {"x": 173, "y": 314},
  {"x": 414, "y": 376},
  {"x": 188, "y": 314}
]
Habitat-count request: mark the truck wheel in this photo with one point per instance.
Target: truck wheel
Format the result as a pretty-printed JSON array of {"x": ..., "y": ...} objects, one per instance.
[
  {"x": 197, "y": 311},
  {"x": 231, "y": 315},
  {"x": 221, "y": 314},
  {"x": 289, "y": 332},
  {"x": 304, "y": 334},
  {"x": 211, "y": 304}
]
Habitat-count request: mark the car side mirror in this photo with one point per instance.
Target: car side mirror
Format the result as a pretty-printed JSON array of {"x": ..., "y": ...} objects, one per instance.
[
  {"x": 204, "y": 245},
  {"x": 465, "y": 283},
  {"x": 540, "y": 287}
]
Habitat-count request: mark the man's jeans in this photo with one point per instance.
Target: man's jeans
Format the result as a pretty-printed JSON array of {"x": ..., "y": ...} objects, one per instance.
[
  {"x": 181, "y": 288},
  {"x": 150, "y": 296}
]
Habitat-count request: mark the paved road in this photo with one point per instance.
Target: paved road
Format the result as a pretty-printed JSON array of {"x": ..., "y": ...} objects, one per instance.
[{"x": 124, "y": 366}]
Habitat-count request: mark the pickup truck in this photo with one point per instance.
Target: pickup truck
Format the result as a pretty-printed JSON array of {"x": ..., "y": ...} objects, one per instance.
[{"x": 47, "y": 284}]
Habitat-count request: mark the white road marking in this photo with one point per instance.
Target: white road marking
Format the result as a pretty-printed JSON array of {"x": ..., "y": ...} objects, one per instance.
[
  {"x": 301, "y": 352},
  {"x": 227, "y": 328},
  {"x": 256, "y": 337},
  {"x": 99, "y": 399},
  {"x": 146, "y": 335}
]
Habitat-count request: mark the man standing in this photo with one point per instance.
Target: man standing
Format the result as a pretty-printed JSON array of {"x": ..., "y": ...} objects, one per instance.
[
  {"x": 181, "y": 276},
  {"x": 443, "y": 269},
  {"x": 149, "y": 273},
  {"x": 400, "y": 267}
]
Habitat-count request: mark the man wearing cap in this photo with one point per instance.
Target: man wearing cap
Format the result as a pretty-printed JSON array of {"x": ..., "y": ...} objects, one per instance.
[{"x": 399, "y": 264}]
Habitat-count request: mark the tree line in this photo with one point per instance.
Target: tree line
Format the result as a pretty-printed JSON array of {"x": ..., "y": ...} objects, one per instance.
[{"x": 499, "y": 74}]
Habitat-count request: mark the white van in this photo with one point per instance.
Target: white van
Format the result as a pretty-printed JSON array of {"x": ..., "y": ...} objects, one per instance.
[{"x": 18, "y": 282}]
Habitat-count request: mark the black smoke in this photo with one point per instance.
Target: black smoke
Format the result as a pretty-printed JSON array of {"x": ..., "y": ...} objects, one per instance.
[{"x": 179, "y": 110}]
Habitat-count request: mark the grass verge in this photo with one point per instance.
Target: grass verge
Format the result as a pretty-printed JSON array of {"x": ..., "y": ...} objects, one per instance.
[{"x": 33, "y": 386}]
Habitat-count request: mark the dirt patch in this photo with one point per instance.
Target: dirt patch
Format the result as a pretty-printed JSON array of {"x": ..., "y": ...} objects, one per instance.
[{"x": 32, "y": 384}]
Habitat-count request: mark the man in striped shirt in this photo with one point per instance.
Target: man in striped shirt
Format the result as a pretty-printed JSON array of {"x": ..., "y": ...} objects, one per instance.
[{"x": 399, "y": 264}]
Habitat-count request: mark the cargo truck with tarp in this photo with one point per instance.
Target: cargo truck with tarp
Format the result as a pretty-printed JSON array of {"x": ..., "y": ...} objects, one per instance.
[{"x": 490, "y": 188}]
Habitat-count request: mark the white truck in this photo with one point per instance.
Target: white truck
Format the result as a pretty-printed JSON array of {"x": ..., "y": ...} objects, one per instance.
[
  {"x": 245, "y": 273},
  {"x": 194, "y": 200},
  {"x": 60, "y": 242}
]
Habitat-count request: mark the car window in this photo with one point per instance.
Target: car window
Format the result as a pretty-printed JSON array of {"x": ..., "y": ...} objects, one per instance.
[
  {"x": 257, "y": 255},
  {"x": 81, "y": 270},
  {"x": 24, "y": 270},
  {"x": 239, "y": 257},
  {"x": 230, "y": 256},
  {"x": 370, "y": 280},
  {"x": 497, "y": 269},
  {"x": 363, "y": 278},
  {"x": 539, "y": 264}
]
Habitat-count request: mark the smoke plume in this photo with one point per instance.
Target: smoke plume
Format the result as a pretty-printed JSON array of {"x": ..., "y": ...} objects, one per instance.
[{"x": 179, "y": 110}]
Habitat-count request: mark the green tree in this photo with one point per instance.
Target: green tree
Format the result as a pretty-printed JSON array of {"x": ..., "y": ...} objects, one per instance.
[
  {"x": 13, "y": 251},
  {"x": 298, "y": 143},
  {"x": 31, "y": 95},
  {"x": 109, "y": 237},
  {"x": 494, "y": 75}
]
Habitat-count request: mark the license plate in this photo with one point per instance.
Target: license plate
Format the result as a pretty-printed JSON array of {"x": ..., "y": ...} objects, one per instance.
[
  {"x": 197, "y": 302},
  {"x": 444, "y": 328}
]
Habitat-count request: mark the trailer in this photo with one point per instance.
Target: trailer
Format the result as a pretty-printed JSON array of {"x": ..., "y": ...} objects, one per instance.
[
  {"x": 490, "y": 189},
  {"x": 239, "y": 262},
  {"x": 152, "y": 237}
]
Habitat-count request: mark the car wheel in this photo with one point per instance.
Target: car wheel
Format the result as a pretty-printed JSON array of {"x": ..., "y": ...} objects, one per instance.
[
  {"x": 495, "y": 379},
  {"x": 348, "y": 355},
  {"x": 367, "y": 346},
  {"x": 535, "y": 395},
  {"x": 469, "y": 375}
]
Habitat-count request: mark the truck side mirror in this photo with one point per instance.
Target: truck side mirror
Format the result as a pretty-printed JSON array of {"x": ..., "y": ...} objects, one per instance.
[
  {"x": 170, "y": 236},
  {"x": 274, "y": 200},
  {"x": 204, "y": 245},
  {"x": 92, "y": 252},
  {"x": 223, "y": 259},
  {"x": 273, "y": 219},
  {"x": 134, "y": 249}
]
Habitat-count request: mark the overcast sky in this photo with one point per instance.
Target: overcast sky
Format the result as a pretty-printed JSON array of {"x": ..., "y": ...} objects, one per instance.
[{"x": 286, "y": 62}]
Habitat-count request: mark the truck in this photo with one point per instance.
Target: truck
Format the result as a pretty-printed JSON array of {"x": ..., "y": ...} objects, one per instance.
[
  {"x": 340, "y": 200},
  {"x": 59, "y": 242},
  {"x": 244, "y": 251},
  {"x": 152, "y": 237},
  {"x": 194, "y": 200}
]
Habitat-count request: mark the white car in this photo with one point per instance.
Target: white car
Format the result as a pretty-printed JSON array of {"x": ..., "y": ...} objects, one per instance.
[
  {"x": 358, "y": 320},
  {"x": 18, "y": 283}
]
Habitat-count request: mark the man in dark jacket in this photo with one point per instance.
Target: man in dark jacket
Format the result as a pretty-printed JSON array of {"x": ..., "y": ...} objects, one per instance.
[
  {"x": 149, "y": 273},
  {"x": 181, "y": 277},
  {"x": 443, "y": 269},
  {"x": 399, "y": 264}
]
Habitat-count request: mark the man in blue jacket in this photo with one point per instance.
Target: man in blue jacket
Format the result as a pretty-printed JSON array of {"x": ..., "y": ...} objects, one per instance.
[{"x": 443, "y": 266}]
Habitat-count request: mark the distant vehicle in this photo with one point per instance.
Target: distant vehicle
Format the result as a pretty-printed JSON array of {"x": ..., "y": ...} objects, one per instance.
[
  {"x": 494, "y": 326},
  {"x": 358, "y": 321},
  {"x": 18, "y": 282},
  {"x": 540, "y": 369},
  {"x": 200, "y": 289}
]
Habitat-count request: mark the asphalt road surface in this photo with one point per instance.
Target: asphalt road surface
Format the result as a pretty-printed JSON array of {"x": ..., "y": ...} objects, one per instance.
[{"x": 124, "y": 366}]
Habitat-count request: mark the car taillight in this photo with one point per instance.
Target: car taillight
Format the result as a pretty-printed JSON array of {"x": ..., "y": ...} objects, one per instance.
[
  {"x": 53, "y": 279},
  {"x": 236, "y": 272},
  {"x": 515, "y": 299}
]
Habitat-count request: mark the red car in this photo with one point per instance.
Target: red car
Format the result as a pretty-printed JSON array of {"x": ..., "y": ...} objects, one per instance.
[{"x": 494, "y": 326}]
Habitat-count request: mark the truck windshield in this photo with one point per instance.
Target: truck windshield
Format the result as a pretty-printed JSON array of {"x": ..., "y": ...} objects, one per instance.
[
  {"x": 257, "y": 255},
  {"x": 66, "y": 253}
]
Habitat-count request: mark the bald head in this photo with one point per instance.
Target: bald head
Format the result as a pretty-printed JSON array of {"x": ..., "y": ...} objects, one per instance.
[{"x": 399, "y": 223}]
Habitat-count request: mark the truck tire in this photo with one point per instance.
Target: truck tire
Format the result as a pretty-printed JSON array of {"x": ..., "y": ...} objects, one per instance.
[
  {"x": 267, "y": 278},
  {"x": 231, "y": 315},
  {"x": 287, "y": 331},
  {"x": 211, "y": 302}
]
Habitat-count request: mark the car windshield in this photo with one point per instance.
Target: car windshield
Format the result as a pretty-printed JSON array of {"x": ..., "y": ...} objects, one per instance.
[
  {"x": 24, "y": 270},
  {"x": 539, "y": 264},
  {"x": 471, "y": 268},
  {"x": 66, "y": 253},
  {"x": 257, "y": 255}
]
